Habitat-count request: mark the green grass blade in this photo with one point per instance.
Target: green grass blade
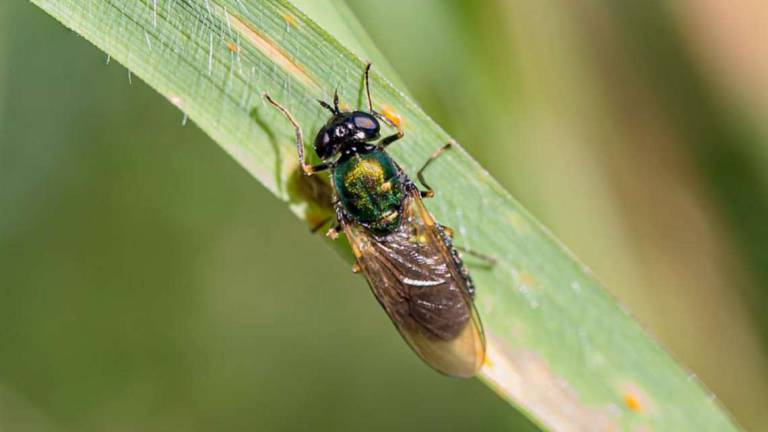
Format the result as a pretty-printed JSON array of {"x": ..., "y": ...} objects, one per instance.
[{"x": 560, "y": 348}]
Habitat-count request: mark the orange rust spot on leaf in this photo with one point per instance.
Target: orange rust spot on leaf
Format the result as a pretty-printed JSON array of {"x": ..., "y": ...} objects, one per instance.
[
  {"x": 289, "y": 19},
  {"x": 232, "y": 47},
  {"x": 632, "y": 402},
  {"x": 273, "y": 52},
  {"x": 391, "y": 115},
  {"x": 527, "y": 279},
  {"x": 635, "y": 399}
]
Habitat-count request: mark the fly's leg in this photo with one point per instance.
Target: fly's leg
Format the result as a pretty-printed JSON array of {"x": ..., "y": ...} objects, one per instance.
[
  {"x": 322, "y": 223},
  {"x": 429, "y": 192},
  {"x": 489, "y": 260},
  {"x": 447, "y": 235},
  {"x": 306, "y": 168},
  {"x": 389, "y": 139},
  {"x": 333, "y": 232}
]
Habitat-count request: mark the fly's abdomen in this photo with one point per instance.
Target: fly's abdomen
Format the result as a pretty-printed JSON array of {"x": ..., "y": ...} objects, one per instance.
[
  {"x": 423, "y": 288},
  {"x": 370, "y": 189}
]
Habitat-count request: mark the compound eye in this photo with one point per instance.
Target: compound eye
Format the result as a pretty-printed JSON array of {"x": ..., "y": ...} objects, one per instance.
[
  {"x": 366, "y": 123},
  {"x": 323, "y": 144}
]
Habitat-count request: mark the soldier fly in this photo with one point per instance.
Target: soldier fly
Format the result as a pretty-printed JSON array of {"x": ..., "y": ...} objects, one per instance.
[{"x": 408, "y": 258}]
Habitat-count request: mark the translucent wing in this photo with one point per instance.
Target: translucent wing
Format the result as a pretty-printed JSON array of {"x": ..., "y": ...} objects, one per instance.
[{"x": 414, "y": 276}]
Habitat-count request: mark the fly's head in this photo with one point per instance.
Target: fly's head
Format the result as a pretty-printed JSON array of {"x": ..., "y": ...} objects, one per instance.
[{"x": 344, "y": 130}]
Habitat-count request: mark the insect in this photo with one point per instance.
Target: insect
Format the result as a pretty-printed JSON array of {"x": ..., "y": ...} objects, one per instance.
[{"x": 408, "y": 258}]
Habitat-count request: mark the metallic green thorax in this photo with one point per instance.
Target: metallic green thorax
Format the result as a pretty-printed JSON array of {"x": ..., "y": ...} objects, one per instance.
[{"x": 371, "y": 190}]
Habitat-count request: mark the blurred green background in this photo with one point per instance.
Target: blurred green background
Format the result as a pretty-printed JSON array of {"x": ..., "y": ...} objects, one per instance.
[{"x": 148, "y": 283}]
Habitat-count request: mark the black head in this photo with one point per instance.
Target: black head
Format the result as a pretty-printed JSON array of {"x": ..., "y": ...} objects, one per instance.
[{"x": 344, "y": 129}]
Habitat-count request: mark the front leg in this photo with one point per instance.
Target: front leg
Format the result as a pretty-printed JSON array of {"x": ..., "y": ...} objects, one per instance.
[
  {"x": 392, "y": 138},
  {"x": 306, "y": 168}
]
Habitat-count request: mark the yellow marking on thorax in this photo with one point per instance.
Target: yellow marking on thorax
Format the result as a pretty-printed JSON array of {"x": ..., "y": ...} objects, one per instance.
[{"x": 365, "y": 169}]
